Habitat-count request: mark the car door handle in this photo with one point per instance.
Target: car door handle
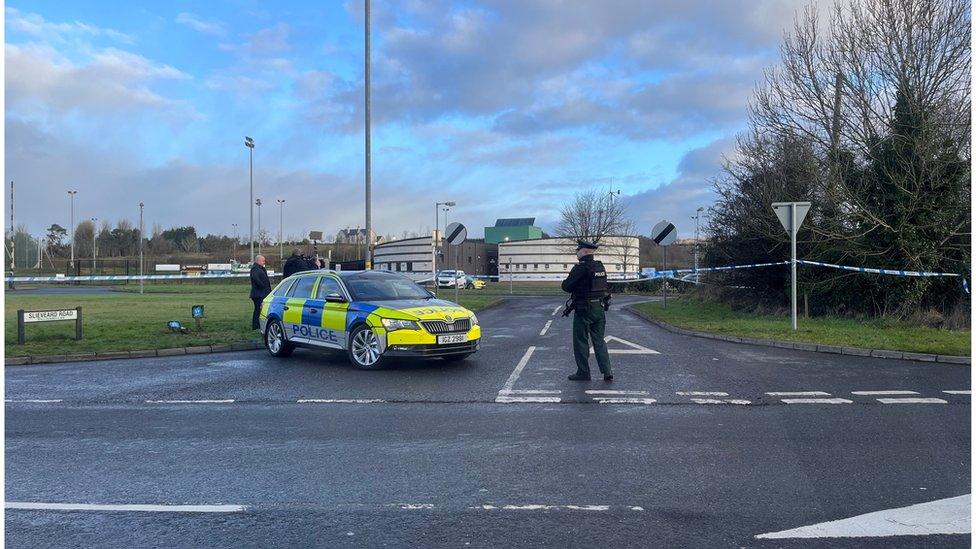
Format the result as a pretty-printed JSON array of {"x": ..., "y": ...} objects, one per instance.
[
  {"x": 314, "y": 311},
  {"x": 286, "y": 307}
]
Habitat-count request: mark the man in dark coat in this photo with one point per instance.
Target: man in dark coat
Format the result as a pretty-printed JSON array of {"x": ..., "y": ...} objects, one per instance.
[
  {"x": 295, "y": 264},
  {"x": 587, "y": 282},
  {"x": 260, "y": 288}
]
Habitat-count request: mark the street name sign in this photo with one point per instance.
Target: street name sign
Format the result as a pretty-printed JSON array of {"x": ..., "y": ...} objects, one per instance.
[{"x": 53, "y": 315}]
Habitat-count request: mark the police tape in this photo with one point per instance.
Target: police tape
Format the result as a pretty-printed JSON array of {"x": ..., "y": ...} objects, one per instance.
[
  {"x": 896, "y": 272},
  {"x": 117, "y": 278},
  {"x": 673, "y": 273}
]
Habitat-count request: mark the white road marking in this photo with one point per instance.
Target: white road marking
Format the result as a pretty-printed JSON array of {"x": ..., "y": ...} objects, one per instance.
[
  {"x": 528, "y": 392},
  {"x": 502, "y": 335},
  {"x": 34, "y": 401},
  {"x": 227, "y": 401},
  {"x": 556, "y": 310},
  {"x": 412, "y": 506},
  {"x": 702, "y": 393},
  {"x": 518, "y": 369},
  {"x": 958, "y": 392},
  {"x": 602, "y": 392},
  {"x": 879, "y": 393},
  {"x": 717, "y": 401},
  {"x": 912, "y": 401},
  {"x": 502, "y": 399},
  {"x": 635, "y": 349},
  {"x": 817, "y": 401},
  {"x": 944, "y": 516},
  {"x": 32, "y": 506},
  {"x": 800, "y": 393},
  {"x": 339, "y": 400},
  {"x": 545, "y": 328},
  {"x": 541, "y": 507},
  {"x": 606, "y": 400}
]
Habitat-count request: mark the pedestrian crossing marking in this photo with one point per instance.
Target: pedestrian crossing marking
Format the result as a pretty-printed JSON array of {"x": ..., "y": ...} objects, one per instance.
[{"x": 634, "y": 349}]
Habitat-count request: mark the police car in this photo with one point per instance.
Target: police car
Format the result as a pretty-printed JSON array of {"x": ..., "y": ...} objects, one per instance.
[{"x": 371, "y": 315}]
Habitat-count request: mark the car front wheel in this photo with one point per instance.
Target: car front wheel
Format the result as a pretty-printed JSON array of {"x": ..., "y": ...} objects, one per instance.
[
  {"x": 275, "y": 342},
  {"x": 364, "y": 349}
]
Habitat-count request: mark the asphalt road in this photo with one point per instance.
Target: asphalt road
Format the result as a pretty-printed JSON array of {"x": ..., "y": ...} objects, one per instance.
[{"x": 698, "y": 446}]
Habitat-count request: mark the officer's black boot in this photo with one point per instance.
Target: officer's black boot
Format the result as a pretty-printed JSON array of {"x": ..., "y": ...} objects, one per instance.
[{"x": 579, "y": 377}]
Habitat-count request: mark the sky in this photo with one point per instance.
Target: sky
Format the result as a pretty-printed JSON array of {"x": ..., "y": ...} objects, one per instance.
[{"x": 507, "y": 107}]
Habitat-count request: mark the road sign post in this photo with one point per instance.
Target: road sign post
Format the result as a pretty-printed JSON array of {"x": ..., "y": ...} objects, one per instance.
[
  {"x": 27, "y": 317},
  {"x": 664, "y": 234},
  {"x": 456, "y": 234},
  {"x": 791, "y": 215}
]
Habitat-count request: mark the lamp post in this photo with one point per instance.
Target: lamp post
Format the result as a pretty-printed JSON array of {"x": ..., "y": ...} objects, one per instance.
[
  {"x": 281, "y": 224},
  {"x": 258, "y": 204},
  {"x": 71, "y": 196},
  {"x": 433, "y": 238},
  {"x": 695, "y": 217},
  {"x": 249, "y": 143},
  {"x": 94, "y": 251},
  {"x": 141, "y": 277},
  {"x": 237, "y": 239}
]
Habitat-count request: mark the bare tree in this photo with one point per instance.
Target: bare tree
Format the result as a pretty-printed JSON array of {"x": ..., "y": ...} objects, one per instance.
[{"x": 592, "y": 215}]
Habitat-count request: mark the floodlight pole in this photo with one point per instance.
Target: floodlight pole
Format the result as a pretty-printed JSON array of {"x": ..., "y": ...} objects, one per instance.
[{"x": 141, "y": 276}]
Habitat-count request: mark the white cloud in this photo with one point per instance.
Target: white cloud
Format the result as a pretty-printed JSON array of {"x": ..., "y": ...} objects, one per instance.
[
  {"x": 36, "y": 26},
  {"x": 195, "y": 22}
]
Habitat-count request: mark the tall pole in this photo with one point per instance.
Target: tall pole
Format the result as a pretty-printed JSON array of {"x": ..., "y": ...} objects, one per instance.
[
  {"x": 237, "y": 239},
  {"x": 281, "y": 224},
  {"x": 369, "y": 222},
  {"x": 141, "y": 238},
  {"x": 249, "y": 143},
  {"x": 258, "y": 204},
  {"x": 793, "y": 261},
  {"x": 697, "y": 215},
  {"x": 433, "y": 243},
  {"x": 72, "y": 194},
  {"x": 94, "y": 251},
  {"x": 13, "y": 233}
]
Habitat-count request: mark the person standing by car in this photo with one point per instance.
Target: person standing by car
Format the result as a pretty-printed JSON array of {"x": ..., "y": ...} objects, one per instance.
[
  {"x": 295, "y": 264},
  {"x": 587, "y": 282},
  {"x": 260, "y": 288}
]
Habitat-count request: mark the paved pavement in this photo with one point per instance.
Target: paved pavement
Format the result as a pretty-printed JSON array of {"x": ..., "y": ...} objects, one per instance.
[{"x": 700, "y": 443}]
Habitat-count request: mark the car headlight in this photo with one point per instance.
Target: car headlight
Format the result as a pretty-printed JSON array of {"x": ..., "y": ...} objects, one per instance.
[
  {"x": 393, "y": 324},
  {"x": 474, "y": 319}
]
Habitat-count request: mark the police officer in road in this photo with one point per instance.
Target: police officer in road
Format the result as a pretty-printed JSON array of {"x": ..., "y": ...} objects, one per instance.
[
  {"x": 587, "y": 282},
  {"x": 260, "y": 288}
]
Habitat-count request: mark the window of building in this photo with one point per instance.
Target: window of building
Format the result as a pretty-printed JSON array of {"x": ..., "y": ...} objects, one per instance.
[
  {"x": 535, "y": 266},
  {"x": 547, "y": 266},
  {"x": 469, "y": 260}
]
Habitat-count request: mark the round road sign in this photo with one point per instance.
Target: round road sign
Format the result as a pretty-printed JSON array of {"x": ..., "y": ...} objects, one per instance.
[
  {"x": 456, "y": 233},
  {"x": 664, "y": 233}
]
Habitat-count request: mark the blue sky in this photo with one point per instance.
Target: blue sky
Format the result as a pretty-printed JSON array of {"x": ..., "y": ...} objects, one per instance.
[{"x": 506, "y": 106}]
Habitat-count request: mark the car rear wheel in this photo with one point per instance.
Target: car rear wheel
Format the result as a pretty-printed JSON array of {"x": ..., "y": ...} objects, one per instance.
[
  {"x": 364, "y": 349},
  {"x": 274, "y": 340}
]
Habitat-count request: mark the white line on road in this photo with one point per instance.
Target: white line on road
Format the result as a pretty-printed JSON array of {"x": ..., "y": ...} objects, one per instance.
[
  {"x": 717, "y": 401},
  {"x": 124, "y": 507},
  {"x": 605, "y": 400},
  {"x": 702, "y": 393},
  {"x": 545, "y": 328},
  {"x": 227, "y": 401},
  {"x": 912, "y": 401},
  {"x": 601, "y": 392},
  {"x": 541, "y": 507},
  {"x": 518, "y": 369},
  {"x": 556, "y": 310},
  {"x": 944, "y": 516},
  {"x": 800, "y": 394},
  {"x": 879, "y": 393},
  {"x": 502, "y": 399},
  {"x": 528, "y": 392},
  {"x": 34, "y": 401},
  {"x": 340, "y": 400},
  {"x": 817, "y": 401},
  {"x": 412, "y": 506},
  {"x": 958, "y": 392}
]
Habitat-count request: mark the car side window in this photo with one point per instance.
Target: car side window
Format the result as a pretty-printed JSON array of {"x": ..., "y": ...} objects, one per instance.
[
  {"x": 283, "y": 288},
  {"x": 328, "y": 285},
  {"x": 302, "y": 288}
]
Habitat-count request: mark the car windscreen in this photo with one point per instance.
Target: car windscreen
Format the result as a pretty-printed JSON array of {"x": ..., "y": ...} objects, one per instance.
[{"x": 385, "y": 288}]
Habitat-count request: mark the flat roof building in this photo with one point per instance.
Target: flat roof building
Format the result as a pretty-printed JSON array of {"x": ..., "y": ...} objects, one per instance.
[
  {"x": 512, "y": 229},
  {"x": 552, "y": 258}
]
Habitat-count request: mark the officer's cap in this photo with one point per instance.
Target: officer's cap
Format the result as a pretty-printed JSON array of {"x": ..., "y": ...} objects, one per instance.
[{"x": 585, "y": 245}]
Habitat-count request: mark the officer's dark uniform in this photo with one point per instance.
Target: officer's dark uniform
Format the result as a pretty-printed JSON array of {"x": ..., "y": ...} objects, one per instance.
[
  {"x": 295, "y": 264},
  {"x": 588, "y": 284}
]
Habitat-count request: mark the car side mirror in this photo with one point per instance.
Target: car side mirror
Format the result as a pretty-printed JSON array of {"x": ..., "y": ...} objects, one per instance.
[{"x": 335, "y": 298}]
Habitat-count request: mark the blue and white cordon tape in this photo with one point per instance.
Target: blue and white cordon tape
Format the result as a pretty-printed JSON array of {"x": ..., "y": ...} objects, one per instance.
[{"x": 110, "y": 278}]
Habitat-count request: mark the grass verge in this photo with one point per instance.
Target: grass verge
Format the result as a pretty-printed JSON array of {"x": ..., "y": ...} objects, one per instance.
[
  {"x": 128, "y": 321},
  {"x": 719, "y": 318}
]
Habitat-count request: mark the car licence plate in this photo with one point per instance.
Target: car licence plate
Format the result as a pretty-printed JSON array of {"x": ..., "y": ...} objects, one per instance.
[{"x": 458, "y": 338}]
